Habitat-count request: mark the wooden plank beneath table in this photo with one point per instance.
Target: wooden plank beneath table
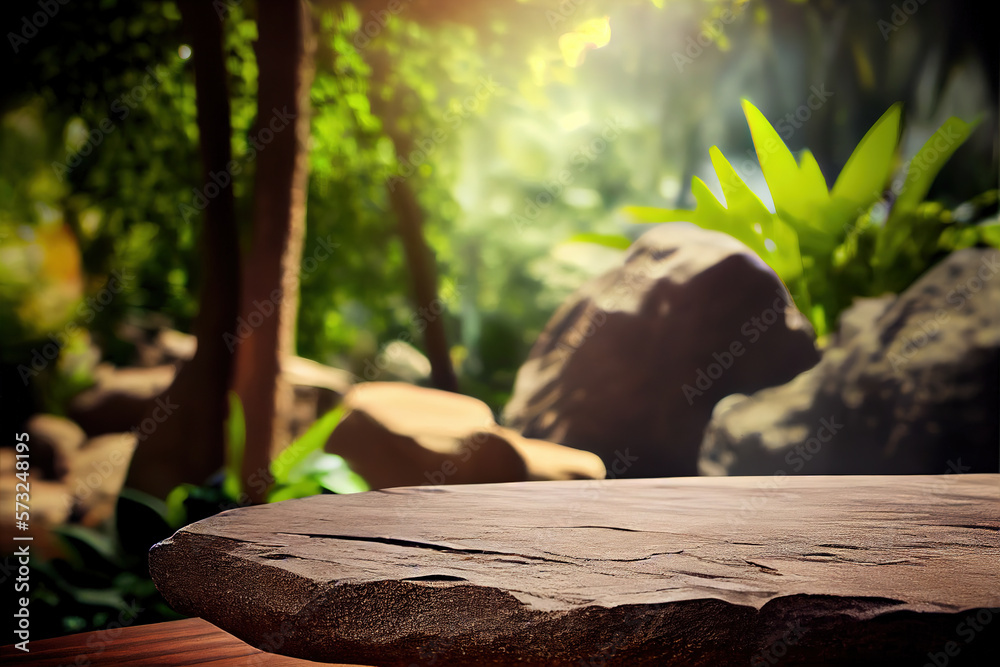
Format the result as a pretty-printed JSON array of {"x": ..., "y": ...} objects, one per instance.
[
  {"x": 714, "y": 571},
  {"x": 192, "y": 641}
]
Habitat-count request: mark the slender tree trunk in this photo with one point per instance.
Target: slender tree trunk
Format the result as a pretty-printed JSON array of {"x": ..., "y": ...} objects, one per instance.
[
  {"x": 410, "y": 224},
  {"x": 285, "y": 50},
  {"x": 186, "y": 443},
  {"x": 423, "y": 272}
]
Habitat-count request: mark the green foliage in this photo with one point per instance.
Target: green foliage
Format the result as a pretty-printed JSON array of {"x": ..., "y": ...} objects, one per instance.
[
  {"x": 616, "y": 241},
  {"x": 102, "y": 575},
  {"x": 236, "y": 439},
  {"x": 829, "y": 246},
  {"x": 303, "y": 469},
  {"x": 119, "y": 200}
]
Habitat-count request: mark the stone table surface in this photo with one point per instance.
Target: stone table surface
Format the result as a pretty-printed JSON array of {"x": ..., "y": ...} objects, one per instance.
[{"x": 692, "y": 571}]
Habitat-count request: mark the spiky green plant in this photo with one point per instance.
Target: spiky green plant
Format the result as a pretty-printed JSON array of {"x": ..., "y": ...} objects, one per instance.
[{"x": 865, "y": 236}]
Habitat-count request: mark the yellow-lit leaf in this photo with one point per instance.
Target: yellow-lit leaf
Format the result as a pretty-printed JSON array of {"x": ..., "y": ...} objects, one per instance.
[
  {"x": 864, "y": 176},
  {"x": 592, "y": 34}
]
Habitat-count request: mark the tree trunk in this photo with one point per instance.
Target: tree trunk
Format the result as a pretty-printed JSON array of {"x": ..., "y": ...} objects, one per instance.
[
  {"x": 186, "y": 444},
  {"x": 423, "y": 272},
  {"x": 285, "y": 50}
]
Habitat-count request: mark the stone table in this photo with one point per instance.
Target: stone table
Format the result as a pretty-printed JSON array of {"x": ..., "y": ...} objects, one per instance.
[{"x": 685, "y": 571}]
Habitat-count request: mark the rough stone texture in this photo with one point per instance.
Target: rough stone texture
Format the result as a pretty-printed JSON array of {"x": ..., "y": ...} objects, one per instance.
[
  {"x": 396, "y": 434},
  {"x": 910, "y": 385},
  {"x": 54, "y": 441},
  {"x": 612, "y": 364},
  {"x": 696, "y": 571}
]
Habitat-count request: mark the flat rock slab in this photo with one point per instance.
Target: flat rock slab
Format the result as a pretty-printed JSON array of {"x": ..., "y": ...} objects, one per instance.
[{"x": 685, "y": 571}]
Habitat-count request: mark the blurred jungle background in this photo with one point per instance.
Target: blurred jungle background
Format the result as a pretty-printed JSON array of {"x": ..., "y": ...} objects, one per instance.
[{"x": 218, "y": 217}]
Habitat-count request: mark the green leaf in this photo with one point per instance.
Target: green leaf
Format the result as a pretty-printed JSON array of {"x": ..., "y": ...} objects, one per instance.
[
  {"x": 176, "y": 510},
  {"x": 817, "y": 316},
  {"x": 748, "y": 220},
  {"x": 921, "y": 171},
  {"x": 822, "y": 229},
  {"x": 653, "y": 214},
  {"x": 932, "y": 156},
  {"x": 711, "y": 214},
  {"x": 318, "y": 471},
  {"x": 301, "y": 489},
  {"x": 989, "y": 233},
  {"x": 706, "y": 205},
  {"x": 312, "y": 440},
  {"x": 616, "y": 241},
  {"x": 811, "y": 179},
  {"x": 236, "y": 429},
  {"x": 778, "y": 165},
  {"x": 740, "y": 199},
  {"x": 864, "y": 177},
  {"x": 785, "y": 257},
  {"x": 334, "y": 475},
  {"x": 97, "y": 597},
  {"x": 90, "y": 549},
  {"x": 799, "y": 191}
]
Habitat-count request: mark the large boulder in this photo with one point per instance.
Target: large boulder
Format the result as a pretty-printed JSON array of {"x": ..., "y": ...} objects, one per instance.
[
  {"x": 395, "y": 434},
  {"x": 908, "y": 386},
  {"x": 637, "y": 358}
]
